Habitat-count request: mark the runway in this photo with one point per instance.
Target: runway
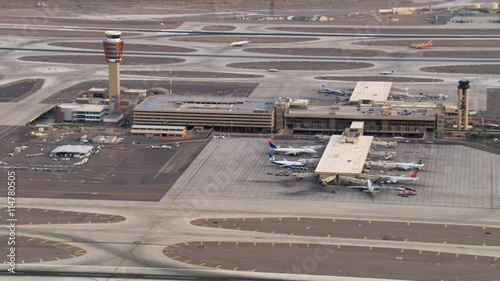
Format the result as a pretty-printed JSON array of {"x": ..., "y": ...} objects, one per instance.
[
  {"x": 159, "y": 55},
  {"x": 139, "y": 214}
]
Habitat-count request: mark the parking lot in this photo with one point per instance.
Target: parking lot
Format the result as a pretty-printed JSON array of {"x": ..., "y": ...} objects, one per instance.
[
  {"x": 125, "y": 171},
  {"x": 240, "y": 168}
]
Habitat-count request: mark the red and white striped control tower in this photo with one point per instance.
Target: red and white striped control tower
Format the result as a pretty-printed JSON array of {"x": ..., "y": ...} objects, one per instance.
[{"x": 113, "y": 50}]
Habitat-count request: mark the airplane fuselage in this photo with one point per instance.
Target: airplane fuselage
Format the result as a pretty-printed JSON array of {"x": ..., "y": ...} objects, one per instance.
[
  {"x": 284, "y": 162},
  {"x": 294, "y": 151},
  {"x": 397, "y": 179},
  {"x": 239, "y": 43},
  {"x": 409, "y": 166}
]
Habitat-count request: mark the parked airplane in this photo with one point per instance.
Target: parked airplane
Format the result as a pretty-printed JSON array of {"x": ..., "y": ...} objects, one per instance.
[
  {"x": 396, "y": 179},
  {"x": 390, "y": 144},
  {"x": 323, "y": 137},
  {"x": 284, "y": 162},
  {"x": 369, "y": 187},
  {"x": 289, "y": 150},
  {"x": 410, "y": 166},
  {"x": 387, "y": 72},
  {"x": 382, "y": 154},
  {"x": 433, "y": 96},
  {"x": 327, "y": 90},
  {"x": 240, "y": 43},
  {"x": 421, "y": 45}
]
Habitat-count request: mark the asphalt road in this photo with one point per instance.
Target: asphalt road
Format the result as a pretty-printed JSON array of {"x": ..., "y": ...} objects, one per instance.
[
  {"x": 99, "y": 59},
  {"x": 128, "y": 47},
  {"x": 376, "y": 230},
  {"x": 90, "y": 191},
  {"x": 45, "y": 216},
  {"x": 16, "y": 90},
  {"x": 336, "y": 260},
  {"x": 190, "y": 74}
]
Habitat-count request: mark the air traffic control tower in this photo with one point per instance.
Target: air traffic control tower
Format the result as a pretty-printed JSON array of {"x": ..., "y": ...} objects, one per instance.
[
  {"x": 463, "y": 105},
  {"x": 113, "y": 50}
]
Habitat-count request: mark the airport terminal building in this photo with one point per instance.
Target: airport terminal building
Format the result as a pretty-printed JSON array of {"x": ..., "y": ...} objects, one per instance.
[
  {"x": 380, "y": 121},
  {"x": 345, "y": 154},
  {"x": 224, "y": 114},
  {"x": 368, "y": 103}
]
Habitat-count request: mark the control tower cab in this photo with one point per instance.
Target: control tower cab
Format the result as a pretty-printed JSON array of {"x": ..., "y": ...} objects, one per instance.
[{"x": 113, "y": 46}]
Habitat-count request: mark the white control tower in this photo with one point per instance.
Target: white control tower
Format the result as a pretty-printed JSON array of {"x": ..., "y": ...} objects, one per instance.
[{"x": 113, "y": 50}]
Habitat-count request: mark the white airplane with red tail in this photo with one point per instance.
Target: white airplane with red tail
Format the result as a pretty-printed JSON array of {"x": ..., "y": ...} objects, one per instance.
[{"x": 399, "y": 179}]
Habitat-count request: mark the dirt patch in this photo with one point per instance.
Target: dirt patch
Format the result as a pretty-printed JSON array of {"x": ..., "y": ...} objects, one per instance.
[
  {"x": 493, "y": 103},
  {"x": 127, "y": 47},
  {"x": 190, "y": 74},
  {"x": 192, "y": 88},
  {"x": 230, "y": 39},
  {"x": 218, "y": 5},
  {"x": 346, "y": 12},
  {"x": 51, "y": 19},
  {"x": 32, "y": 32},
  {"x": 94, "y": 59},
  {"x": 435, "y": 43},
  {"x": 18, "y": 90},
  {"x": 492, "y": 69},
  {"x": 378, "y": 30},
  {"x": 316, "y": 52},
  {"x": 370, "y": 21},
  {"x": 219, "y": 28},
  {"x": 378, "y": 78},
  {"x": 301, "y": 65}
]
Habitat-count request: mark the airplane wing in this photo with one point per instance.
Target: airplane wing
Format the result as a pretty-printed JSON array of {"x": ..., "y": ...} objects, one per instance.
[
  {"x": 289, "y": 165},
  {"x": 381, "y": 187},
  {"x": 358, "y": 186},
  {"x": 390, "y": 179}
]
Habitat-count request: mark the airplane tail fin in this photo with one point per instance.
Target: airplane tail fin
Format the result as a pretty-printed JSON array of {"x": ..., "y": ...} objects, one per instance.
[
  {"x": 272, "y": 145},
  {"x": 429, "y": 43},
  {"x": 414, "y": 175},
  {"x": 271, "y": 157},
  {"x": 323, "y": 85},
  {"x": 248, "y": 39},
  {"x": 420, "y": 161}
]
